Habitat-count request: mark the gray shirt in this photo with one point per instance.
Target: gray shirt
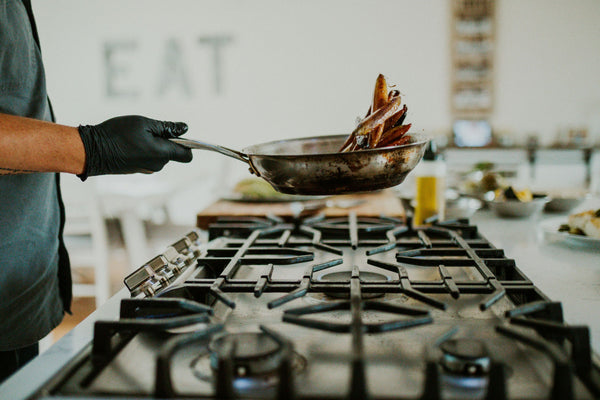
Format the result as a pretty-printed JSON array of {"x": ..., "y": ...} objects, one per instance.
[{"x": 30, "y": 214}]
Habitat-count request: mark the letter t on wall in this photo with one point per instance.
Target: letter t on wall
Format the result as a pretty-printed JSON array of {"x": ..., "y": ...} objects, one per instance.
[{"x": 216, "y": 43}]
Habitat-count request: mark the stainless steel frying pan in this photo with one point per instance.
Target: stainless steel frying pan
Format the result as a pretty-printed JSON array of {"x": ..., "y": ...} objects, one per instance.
[{"x": 314, "y": 166}]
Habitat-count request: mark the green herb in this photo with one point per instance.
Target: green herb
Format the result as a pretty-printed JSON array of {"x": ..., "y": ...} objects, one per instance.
[
  {"x": 483, "y": 166},
  {"x": 509, "y": 194},
  {"x": 564, "y": 228}
]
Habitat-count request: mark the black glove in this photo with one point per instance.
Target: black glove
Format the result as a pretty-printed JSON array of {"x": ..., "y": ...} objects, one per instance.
[{"x": 129, "y": 144}]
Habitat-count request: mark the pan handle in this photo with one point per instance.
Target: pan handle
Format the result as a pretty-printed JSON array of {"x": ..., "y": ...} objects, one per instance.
[{"x": 197, "y": 144}]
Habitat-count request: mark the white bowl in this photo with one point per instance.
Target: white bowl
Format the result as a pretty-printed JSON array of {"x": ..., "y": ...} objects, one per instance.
[
  {"x": 519, "y": 209},
  {"x": 565, "y": 201},
  {"x": 563, "y": 204}
]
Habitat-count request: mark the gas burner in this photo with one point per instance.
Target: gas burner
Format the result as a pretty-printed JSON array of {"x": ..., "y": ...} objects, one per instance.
[
  {"x": 466, "y": 362},
  {"x": 256, "y": 359},
  {"x": 344, "y": 277},
  {"x": 465, "y": 356},
  {"x": 252, "y": 353}
]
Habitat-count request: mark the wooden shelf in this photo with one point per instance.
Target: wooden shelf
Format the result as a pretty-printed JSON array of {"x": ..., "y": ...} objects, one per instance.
[
  {"x": 472, "y": 45},
  {"x": 469, "y": 84},
  {"x": 473, "y": 9}
]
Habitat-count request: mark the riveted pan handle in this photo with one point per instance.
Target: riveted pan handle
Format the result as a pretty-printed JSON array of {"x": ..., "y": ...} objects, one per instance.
[{"x": 197, "y": 144}]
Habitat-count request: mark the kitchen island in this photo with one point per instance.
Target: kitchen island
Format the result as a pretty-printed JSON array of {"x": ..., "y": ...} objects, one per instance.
[{"x": 565, "y": 274}]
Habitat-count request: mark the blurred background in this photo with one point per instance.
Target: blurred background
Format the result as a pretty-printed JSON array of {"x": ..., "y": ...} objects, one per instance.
[{"x": 513, "y": 83}]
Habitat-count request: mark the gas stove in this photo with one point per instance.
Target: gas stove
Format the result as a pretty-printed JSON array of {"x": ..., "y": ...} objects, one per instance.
[{"x": 333, "y": 308}]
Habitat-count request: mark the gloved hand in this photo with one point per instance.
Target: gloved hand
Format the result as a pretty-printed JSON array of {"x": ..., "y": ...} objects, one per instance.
[{"x": 129, "y": 144}]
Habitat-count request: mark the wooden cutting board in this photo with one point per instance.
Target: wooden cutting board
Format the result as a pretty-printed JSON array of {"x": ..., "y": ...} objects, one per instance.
[{"x": 375, "y": 204}]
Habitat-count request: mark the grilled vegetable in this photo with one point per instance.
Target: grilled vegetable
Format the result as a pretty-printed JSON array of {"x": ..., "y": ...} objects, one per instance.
[
  {"x": 380, "y": 94},
  {"x": 393, "y": 120},
  {"x": 393, "y": 135},
  {"x": 383, "y": 124},
  {"x": 375, "y": 135},
  {"x": 377, "y": 117}
]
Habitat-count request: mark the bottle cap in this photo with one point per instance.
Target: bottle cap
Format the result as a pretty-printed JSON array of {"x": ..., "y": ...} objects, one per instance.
[{"x": 431, "y": 152}]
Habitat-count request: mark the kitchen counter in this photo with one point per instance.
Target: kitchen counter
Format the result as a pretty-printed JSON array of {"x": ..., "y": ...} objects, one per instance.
[{"x": 569, "y": 275}]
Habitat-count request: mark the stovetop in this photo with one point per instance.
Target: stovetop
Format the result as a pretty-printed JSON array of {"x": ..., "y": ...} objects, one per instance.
[{"x": 334, "y": 308}]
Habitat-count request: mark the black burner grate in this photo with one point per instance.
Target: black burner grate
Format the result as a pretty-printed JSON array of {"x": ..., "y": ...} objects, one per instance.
[{"x": 352, "y": 263}]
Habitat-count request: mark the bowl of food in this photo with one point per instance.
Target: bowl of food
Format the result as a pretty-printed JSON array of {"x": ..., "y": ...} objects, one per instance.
[
  {"x": 565, "y": 201},
  {"x": 483, "y": 180},
  {"x": 511, "y": 203}
]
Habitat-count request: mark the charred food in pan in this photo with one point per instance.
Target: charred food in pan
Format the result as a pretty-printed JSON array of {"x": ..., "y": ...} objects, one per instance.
[{"x": 383, "y": 126}]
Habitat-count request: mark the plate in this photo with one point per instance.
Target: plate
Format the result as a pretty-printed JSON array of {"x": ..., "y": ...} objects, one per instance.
[
  {"x": 257, "y": 190},
  {"x": 550, "y": 231}
]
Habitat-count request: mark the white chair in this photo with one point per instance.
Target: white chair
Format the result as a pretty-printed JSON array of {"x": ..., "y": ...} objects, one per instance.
[{"x": 86, "y": 239}]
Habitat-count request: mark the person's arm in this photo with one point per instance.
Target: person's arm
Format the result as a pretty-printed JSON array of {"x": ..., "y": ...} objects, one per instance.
[
  {"x": 120, "y": 145},
  {"x": 31, "y": 145}
]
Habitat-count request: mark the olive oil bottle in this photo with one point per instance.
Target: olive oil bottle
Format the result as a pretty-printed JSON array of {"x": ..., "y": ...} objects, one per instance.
[{"x": 430, "y": 177}]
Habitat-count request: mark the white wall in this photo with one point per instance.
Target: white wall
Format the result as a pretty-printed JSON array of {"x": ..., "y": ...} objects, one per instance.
[
  {"x": 306, "y": 67},
  {"x": 292, "y": 68},
  {"x": 548, "y": 66}
]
